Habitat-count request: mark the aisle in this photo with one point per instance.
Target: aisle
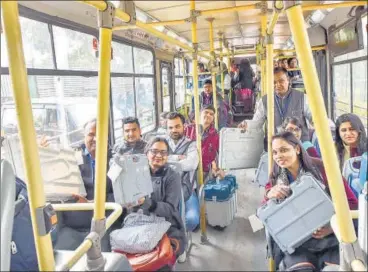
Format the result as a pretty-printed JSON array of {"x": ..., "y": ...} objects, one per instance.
[{"x": 236, "y": 248}]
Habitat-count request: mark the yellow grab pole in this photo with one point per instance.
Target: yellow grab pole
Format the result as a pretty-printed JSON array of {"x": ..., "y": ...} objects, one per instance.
[
  {"x": 221, "y": 60},
  {"x": 185, "y": 85},
  {"x": 197, "y": 118},
  {"x": 27, "y": 133},
  {"x": 335, "y": 5},
  {"x": 316, "y": 104},
  {"x": 270, "y": 113},
  {"x": 103, "y": 105},
  {"x": 213, "y": 60},
  {"x": 270, "y": 98},
  {"x": 230, "y": 9},
  {"x": 263, "y": 73}
]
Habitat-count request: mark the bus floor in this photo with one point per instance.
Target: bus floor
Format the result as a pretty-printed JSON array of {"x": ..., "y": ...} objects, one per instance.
[{"x": 236, "y": 248}]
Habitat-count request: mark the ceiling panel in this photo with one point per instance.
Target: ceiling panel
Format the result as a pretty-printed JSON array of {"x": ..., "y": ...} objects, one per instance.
[{"x": 157, "y": 5}]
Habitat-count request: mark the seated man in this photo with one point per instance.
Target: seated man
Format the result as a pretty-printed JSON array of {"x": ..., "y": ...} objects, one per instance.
[
  {"x": 163, "y": 124},
  {"x": 183, "y": 152},
  {"x": 133, "y": 143},
  {"x": 75, "y": 225}
]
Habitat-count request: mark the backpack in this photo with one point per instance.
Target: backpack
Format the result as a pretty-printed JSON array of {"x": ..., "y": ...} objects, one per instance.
[{"x": 23, "y": 250}]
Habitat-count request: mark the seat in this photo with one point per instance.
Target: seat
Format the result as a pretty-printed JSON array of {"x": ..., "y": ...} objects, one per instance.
[{"x": 7, "y": 212}]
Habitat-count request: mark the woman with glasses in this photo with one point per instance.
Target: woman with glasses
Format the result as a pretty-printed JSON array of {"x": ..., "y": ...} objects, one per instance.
[
  {"x": 293, "y": 125},
  {"x": 166, "y": 196}
]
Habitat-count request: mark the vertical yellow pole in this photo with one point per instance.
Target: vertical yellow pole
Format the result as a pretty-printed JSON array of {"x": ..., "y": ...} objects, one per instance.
[
  {"x": 263, "y": 72},
  {"x": 221, "y": 60},
  {"x": 103, "y": 105},
  {"x": 197, "y": 118},
  {"x": 185, "y": 86},
  {"x": 213, "y": 75},
  {"x": 27, "y": 133},
  {"x": 316, "y": 104},
  {"x": 270, "y": 113}
]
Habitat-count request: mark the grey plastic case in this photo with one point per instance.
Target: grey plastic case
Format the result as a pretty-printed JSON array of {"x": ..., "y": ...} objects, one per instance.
[
  {"x": 133, "y": 179},
  {"x": 261, "y": 177},
  {"x": 293, "y": 221},
  {"x": 240, "y": 150}
]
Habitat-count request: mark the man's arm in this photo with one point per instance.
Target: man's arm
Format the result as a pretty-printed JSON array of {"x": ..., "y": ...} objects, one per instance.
[{"x": 191, "y": 160}]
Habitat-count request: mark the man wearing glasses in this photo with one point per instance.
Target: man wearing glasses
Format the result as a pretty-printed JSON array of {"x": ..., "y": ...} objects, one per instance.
[
  {"x": 183, "y": 153},
  {"x": 288, "y": 103}
]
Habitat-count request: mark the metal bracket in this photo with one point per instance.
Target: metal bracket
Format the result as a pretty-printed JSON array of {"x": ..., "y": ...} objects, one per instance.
[
  {"x": 195, "y": 51},
  {"x": 276, "y": 8},
  {"x": 350, "y": 252},
  {"x": 291, "y": 3},
  {"x": 106, "y": 17},
  {"x": 129, "y": 8},
  {"x": 262, "y": 6},
  {"x": 95, "y": 260},
  {"x": 269, "y": 39},
  {"x": 193, "y": 15},
  {"x": 188, "y": 20},
  {"x": 46, "y": 219}
]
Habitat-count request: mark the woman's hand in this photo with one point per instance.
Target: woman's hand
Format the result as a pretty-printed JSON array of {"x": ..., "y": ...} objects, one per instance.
[
  {"x": 44, "y": 141},
  {"x": 321, "y": 233},
  {"x": 217, "y": 172},
  {"x": 279, "y": 191},
  {"x": 80, "y": 199}
]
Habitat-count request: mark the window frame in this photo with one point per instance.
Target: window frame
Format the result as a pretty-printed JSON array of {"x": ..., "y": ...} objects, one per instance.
[
  {"x": 67, "y": 24},
  {"x": 182, "y": 74}
]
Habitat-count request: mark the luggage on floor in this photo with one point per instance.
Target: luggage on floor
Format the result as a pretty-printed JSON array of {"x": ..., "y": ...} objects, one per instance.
[
  {"x": 161, "y": 257},
  {"x": 292, "y": 221},
  {"x": 240, "y": 150},
  {"x": 221, "y": 201},
  {"x": 261, "y": 177},
  {"x": 363, "y": 169},
  {"x": 59, "y": 169},
  {"x": 130, "y": 177}
]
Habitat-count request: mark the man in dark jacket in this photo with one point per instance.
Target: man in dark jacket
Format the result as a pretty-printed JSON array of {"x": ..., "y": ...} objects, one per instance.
[
  {"x": 74, "y": 226},
  {"x": 133, "y": 143}
]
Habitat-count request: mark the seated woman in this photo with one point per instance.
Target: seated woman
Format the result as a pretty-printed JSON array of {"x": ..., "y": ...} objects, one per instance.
[
  {"x": 293, "y": 125},
  {"x": 291, "y": 160},
  {"x": 166, "y": 196},
  {"x": 351, "y": 137}
]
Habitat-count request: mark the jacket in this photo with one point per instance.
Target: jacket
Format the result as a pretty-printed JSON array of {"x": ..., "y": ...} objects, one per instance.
[
  {"x": 81, "y": 220},
  {"x": 128, "y": 148},
  {"x": 166, "y": 197},
  {"x": 353, "y": 202},
  {"x": 210, "y": 144}
]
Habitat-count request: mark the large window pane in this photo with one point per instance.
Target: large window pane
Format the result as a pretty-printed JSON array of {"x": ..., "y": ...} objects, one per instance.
[
  {"x": 74, "y": 50},
  {"x": 341, "y": 76},
  {"x": 179, "y": 92},
  {"x": 360, "y": 90},
  {"x": 122, "y": 61},
  {"x": 36, "y": 45},
  {"x": 143, "y": 61},
  {"x": 145, "y": 103},
  {"x": 123, "y": 101}
]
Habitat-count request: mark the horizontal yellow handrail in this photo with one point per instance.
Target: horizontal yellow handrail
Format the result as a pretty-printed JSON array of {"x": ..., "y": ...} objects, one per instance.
[
  {"x": 229, "y": 9},
  {"x": 334, "y": 5},
  {"x": 87, "y": 244}
]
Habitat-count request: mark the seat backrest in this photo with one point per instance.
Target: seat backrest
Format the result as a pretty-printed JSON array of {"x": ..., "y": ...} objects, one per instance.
[{"x": 7, "y": 212}]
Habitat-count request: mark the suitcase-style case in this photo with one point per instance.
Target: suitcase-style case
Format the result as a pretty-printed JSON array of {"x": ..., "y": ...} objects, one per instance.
[
  {"x": 131, "y": 179},
  {"x": 261, "y": 177},
  {"x": 353, "y": 172},
  {"x": 240, "y": 150},
  {"x": 221, "y": 201},
  {"x": 293, "y": 221},
  {"x": 59, "y": 169}
]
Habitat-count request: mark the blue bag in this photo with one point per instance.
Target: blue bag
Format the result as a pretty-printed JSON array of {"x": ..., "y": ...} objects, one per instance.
[{"x": 23, "y": 250}]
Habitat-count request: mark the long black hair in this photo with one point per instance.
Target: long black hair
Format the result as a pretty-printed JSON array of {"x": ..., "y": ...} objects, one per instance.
[
  {"x": 357, "y": 124},
  {"x": 304, "y": 159}
]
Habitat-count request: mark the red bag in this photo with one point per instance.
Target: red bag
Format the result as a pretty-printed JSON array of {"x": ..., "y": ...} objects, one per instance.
[
  {"x": 244, "y": 98},
  {"x": 163, "y": 255}
]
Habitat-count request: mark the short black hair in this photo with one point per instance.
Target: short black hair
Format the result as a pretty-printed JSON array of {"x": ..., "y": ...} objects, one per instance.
[
  {"x": 280, "y": 70},
  {"x": 290, "y": 59},
  {"x": 200, "y": 64},
  {"x": 174, "y": 115},
  {"x": 208, "y": 81},
  {"x": 131, "y": 120},
  {"x": 209, "y": 107},
  {"x": 154, "y": 140},
  {"x": 164, "y": 114}
]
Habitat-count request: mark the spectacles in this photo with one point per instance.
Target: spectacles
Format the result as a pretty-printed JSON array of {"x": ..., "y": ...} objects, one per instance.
[
  {"x": 297, "y": 129},
  {"x": 155, "y": 152}
]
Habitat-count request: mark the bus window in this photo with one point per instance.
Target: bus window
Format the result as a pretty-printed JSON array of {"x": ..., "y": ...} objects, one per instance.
[
  {"x": 122, "y": 61},
  {"x": 74, "y": 50},
  {"x": 360, "y": 90},
  {"x": 145, "y": 103},
  {"x": 341, "y": 75},
  {"x": 143, "y": 61}
]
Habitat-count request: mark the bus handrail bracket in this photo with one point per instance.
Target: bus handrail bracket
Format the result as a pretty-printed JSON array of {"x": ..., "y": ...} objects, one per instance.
[
  {"x": 291, "y": 3},
  {"x": 350, "y": 252},
  {"x": 106, "y": 17},
  {"x": 95, "y": 259}
]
